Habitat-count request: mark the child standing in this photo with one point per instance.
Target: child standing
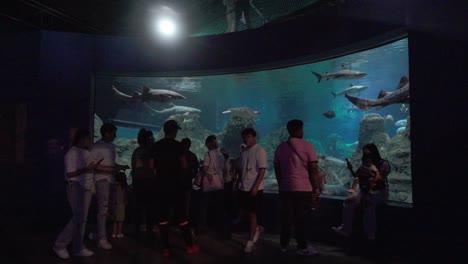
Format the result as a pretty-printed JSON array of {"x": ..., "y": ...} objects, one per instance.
[{"x": 119, "y": 202}]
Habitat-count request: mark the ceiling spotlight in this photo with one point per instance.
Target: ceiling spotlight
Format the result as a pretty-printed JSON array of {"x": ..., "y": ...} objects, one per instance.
[{"x": 166, "y": 27}]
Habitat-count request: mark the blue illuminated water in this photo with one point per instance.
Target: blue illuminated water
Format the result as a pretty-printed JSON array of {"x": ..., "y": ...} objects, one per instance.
[{"x": 280, "y": 95}]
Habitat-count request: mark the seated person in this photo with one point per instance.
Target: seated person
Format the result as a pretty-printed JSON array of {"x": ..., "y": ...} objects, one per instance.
[{"x": 373, "y": 185}]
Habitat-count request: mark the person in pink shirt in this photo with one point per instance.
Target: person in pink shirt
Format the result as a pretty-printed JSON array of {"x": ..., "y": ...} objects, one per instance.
[{"x": 298, "y": 179}]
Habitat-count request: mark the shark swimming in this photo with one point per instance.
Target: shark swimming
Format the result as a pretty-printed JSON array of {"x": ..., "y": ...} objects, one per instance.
[
  {"x": 243, "y": 112},
  {"x": 149, "y": 95},
  {"x": 351, "y": 89},
  {"x": 343, "y": 74},
  {"x": 175, "y": 109},
  {"x": 400, "y": 96}
]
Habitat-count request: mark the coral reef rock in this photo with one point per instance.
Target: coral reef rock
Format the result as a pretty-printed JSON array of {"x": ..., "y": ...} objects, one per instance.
[
  {"x": 335, "y": 171},
  {"x": 372, "y": 130},
  {"x": 336, "y": 146},
  {"x": 407, "y": 130},
  {"x": 398, "y": 154},
  {"x": 124, "y": 148},
  {"x": 271, "y": 141},
  {"x": 97, "y": 127}
]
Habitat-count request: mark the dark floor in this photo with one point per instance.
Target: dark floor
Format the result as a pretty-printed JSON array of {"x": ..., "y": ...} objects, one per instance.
[
  {"x": 32, "y": 217},
  {"x": 27, "y": 247}
]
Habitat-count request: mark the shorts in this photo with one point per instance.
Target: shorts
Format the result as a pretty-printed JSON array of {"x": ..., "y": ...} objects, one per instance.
[
  {"x": 119, "y": 213},
  {"x": 249, "y": 203},
  {"x": 176, "y": 203}
]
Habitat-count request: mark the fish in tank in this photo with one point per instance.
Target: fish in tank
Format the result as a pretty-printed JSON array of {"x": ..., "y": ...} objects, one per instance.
[{"x": 345, "y": 102}]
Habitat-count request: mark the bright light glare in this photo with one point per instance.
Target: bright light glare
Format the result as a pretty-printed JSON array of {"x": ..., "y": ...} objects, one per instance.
[{"x": 166, "y": 27}]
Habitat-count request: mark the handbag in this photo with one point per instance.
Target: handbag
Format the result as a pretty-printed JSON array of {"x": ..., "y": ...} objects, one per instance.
[{"x": 213, "y": 183}]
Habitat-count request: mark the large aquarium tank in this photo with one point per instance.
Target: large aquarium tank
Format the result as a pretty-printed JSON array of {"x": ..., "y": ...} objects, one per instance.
[{"x": 345, "y": 102}]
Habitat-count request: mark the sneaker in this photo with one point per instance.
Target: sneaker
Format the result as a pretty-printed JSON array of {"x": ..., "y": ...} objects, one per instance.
[
  {"x": 249, "y": 247},
  {"x": 259, "y": 230},
  {"x": 83, "y": 253},
  {"x": 308, "y": 251},
  {"x": 339, "y": 230},
  {"x": 237, "y": 220},
  {"x": 192, "y": 249},
  {"x": 61, "y": 252},
  {"x": 114, "y": 235},
  {"x": 120, "y": 235},
  {"x": 103, "y": 243},
  {"x": 166, "y": 252},
  {"x": 91, "y": 236},
  {"x": 284, "y": 248}
]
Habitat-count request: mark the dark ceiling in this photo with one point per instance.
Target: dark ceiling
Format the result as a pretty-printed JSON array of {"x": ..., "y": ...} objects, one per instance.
[{"x": 132, "y": 17}]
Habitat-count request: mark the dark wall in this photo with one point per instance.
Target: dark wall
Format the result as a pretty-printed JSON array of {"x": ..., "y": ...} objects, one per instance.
[
  {"x": 19, "y": 67},
  {"x": 67, "y": 65},
  {"x": 19, "y": 76},
  {"x": 437, "y": 43}
]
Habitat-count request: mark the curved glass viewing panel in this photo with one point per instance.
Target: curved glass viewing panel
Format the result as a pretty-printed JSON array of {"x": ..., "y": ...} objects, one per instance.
[{"x": 345, "y": 102}]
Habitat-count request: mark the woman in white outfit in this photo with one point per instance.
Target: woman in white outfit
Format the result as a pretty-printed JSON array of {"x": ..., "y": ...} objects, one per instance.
[{"x": 79, "y": 168}]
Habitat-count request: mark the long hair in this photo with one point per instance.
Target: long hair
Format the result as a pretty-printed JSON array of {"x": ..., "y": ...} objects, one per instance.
[
  {"x": 374, "y": 153},
  {"x": 144, "y": 137}
]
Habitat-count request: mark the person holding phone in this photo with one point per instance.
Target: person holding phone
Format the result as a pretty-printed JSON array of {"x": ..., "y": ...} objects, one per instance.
[
  {"x": 373, "y": 191},
  {"x": 80, "y": 187}
]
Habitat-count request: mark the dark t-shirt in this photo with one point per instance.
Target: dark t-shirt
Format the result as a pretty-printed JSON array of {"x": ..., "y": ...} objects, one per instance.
[
  {"x": 140, "y": 164},
  {"x": 168, "y": 154},
  {"x": 191, "y": 171}
]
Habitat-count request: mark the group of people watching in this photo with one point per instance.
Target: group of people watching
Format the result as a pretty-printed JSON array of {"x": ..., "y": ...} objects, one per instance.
[{"x": 165, "y": 172}]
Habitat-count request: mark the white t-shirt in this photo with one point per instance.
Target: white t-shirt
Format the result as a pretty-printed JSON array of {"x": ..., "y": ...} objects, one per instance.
[
  {"x": 102, "y": 149},
  {"x": 251, "y": 161},
  {"x": 214, "y": 159},
  {"x": 75, "y": 159}
]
